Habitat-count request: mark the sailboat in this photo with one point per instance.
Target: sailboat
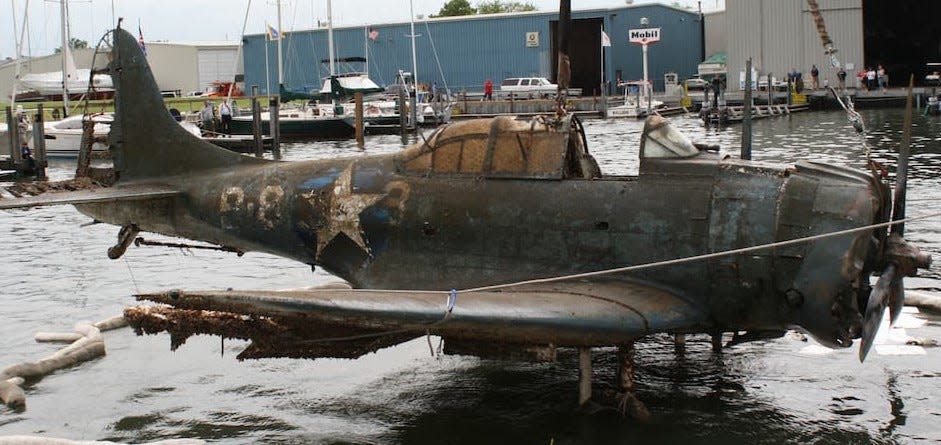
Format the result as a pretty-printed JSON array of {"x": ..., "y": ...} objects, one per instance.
[
  {"x": 322, "y": 120},
  {"x": 69, "y": 78}
]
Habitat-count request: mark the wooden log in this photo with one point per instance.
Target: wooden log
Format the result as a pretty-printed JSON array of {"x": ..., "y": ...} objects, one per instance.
[
  {"x": 57, "y": 337},
  {"x": 79, "y": 351},
  {"x": 112, "y": 323},
  {"x": 923, "y": 300},
  {"x": 11, "y": 394}
]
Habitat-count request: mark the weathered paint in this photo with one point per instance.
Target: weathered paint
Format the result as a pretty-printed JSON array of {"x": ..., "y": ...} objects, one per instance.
[{"x": 418, "y": 220}]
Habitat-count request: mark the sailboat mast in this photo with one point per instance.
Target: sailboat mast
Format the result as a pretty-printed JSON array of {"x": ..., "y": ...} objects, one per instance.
[
  {"x": 64, "y": 12},
  {"x": 411, "y": 12},
  {"x": 333, "y": 71},
  {"x": 280, "y": 38}
]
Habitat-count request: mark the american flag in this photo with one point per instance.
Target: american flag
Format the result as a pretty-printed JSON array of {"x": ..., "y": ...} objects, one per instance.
[{"x": 373, "y": 34}]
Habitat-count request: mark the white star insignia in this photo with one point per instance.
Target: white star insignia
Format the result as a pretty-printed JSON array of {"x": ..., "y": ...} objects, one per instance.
[{"x": 341, "y": 213}]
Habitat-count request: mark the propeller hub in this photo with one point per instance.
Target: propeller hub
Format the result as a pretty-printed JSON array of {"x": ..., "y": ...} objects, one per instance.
[{"x": 906, "y": 257}]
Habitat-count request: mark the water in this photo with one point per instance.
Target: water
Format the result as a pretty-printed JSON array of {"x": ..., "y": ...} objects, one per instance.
[{"x": 55, "y": 273}]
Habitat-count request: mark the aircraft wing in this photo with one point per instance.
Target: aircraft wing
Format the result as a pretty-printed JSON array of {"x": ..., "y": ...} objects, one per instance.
[
  {"x": 28, "y": 195},
  {"x": 350, "y": 322}
]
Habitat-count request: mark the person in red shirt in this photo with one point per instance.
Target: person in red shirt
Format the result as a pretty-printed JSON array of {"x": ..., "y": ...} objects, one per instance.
[{"x": 488, "y": 90}]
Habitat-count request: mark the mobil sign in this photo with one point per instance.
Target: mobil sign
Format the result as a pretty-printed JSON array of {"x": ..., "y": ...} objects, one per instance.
[{"x": 644, "y": 36}]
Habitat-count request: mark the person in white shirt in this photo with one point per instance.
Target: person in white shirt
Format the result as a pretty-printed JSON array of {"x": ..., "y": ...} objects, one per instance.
[{"x": 225, "y": 115}]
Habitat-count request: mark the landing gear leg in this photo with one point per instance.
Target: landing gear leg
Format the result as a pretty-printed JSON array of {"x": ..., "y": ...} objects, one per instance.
[
  {"x": 679, "y": 343},
  {"x": 716, "y": 342},
  {"x": 125, "y": 238},
  {"x": 629, "y": 404},
  {"x": 584, "y": 376}
]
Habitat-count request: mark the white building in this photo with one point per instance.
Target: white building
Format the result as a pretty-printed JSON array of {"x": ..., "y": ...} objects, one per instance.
[{"x": 181, "y": 67}]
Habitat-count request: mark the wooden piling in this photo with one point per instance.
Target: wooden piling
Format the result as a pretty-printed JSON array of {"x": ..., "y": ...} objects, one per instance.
[
  {"x": 746, "y": 118},
  {"x": 39, "y": 143},
  {"x": 770, "y": 92},
  {"x": 256, "y": 123},
  {"x": 360, "y": 142},
  {"x": 274, "y": 127},
  {"x": 84, "y": 149},
  {"x": 13, "y": 132},
  {"x": 402, "y": 107}
]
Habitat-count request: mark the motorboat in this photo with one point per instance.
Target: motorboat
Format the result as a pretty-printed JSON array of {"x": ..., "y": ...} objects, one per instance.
[
  {"x": 64, "y": 137},
  {"x": 638, "y": 105}
]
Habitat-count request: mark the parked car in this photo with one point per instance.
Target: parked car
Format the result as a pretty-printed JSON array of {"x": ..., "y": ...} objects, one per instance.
[
  {"x": 933, "y": 79},
  {"x": 696, "y": 83},
  {"x": 538, "y": 86}
]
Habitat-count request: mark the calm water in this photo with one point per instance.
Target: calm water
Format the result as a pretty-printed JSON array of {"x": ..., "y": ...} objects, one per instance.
[{"x": 56, "y": 272}]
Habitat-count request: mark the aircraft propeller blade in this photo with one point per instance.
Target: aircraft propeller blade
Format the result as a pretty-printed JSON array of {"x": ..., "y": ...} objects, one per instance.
[
  {"x": 896, "y": 300},
  {"x": 878, "y": 299}
]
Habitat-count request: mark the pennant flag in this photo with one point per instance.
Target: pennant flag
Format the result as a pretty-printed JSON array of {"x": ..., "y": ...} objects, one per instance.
[
  {"x": 373, "y": 34},
  {"x": 140, "y": 39},
  {"x": 605, "y": 40},
  {"x": 273, "y": 34}
]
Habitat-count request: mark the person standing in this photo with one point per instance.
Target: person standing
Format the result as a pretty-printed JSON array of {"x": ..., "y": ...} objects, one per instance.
[
  {"x": 225, "y": 115},
  {"x": 207, "y": 118},
  {"x": 815, "y": 77},
  {"x": 841, "y": 76},
  {"x": 871, "y": 79},
  {"x": 488, "y": 90},
  {"x": 880, "y": 76},
  {"x": 22, "y": 125}
]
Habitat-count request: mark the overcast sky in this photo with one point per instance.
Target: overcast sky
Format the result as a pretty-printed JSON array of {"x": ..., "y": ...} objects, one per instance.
[{"x": 221, "y": 20}]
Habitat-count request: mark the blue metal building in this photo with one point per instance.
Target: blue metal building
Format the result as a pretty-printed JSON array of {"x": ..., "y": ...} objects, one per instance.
[{"x": 462, "y": 52}]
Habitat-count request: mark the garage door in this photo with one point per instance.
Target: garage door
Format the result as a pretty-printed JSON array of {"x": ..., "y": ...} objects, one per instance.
[{"x": 216, "y": 64}]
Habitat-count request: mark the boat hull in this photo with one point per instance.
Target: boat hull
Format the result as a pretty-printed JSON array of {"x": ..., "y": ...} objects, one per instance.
[{"x": 322, "y": 128}]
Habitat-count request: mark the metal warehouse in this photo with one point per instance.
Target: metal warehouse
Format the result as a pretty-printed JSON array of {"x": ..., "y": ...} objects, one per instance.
[
  {"x": 463, "y": 52},
  {"x": 780, "y": 36}
]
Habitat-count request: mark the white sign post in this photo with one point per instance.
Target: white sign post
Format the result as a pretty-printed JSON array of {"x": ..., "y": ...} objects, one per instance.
[{"x": 644, "y": 37}]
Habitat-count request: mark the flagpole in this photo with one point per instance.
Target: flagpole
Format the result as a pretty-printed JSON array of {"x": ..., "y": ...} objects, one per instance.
[
  {"x": 267, "y": 70},
  {"x": 602, "y": 60},
  {"x": 280, "y": 64}
]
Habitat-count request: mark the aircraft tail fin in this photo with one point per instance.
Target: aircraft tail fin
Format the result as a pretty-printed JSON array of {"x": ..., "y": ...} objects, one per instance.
[{"x": 146, "y": 141}]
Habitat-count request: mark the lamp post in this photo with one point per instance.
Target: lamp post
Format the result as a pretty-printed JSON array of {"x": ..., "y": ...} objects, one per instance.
[
  {"x": 643, "y": 37},
  {"x": 644, "y": 22}
]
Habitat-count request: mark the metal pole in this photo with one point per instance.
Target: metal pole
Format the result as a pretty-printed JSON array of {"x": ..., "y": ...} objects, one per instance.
[
  {"x": 584, "y": 375},
  {"x": 281, "y": 37},
  {"x": 256, "y": 122},
  {"x": 64, "y": 17},
  {"x": 646, "y": 85},
  {"x": 746, "y": 112}
]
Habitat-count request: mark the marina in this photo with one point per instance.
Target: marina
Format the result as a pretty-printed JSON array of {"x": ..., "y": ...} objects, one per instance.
[
  {"x": 403, "y": 394},
  {"x": 328, "y": 260}
]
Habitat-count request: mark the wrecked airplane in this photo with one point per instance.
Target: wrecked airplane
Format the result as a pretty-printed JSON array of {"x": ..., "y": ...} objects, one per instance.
[{"x": 503, "y": 237}]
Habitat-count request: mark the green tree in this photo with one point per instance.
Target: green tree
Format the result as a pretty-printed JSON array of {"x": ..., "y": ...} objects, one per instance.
[
  {"x": 498, "y": 6},
  {"x": 455, "y": 8},
  {"x": 74, "y": 43}
]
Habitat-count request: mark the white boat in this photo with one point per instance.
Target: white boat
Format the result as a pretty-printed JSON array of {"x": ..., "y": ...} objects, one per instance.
[
  {"x": 64, "y": 137},
  {"x": 637, "y": 106},
  {"x": 49, "y": 84}
]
